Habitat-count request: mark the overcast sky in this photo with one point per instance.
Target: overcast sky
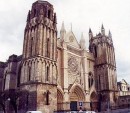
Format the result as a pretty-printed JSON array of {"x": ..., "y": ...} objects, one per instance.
[{"x": 114, "y": 14}]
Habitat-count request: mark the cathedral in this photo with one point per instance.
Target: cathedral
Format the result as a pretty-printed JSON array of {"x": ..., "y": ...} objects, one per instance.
[{"x": 58, "y": 73}]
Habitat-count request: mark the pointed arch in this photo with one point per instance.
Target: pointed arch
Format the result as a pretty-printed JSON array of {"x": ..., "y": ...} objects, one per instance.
[
  {"x": 93, "y": 96},
  {"x": 77, "y": 93},
  {"x": 93, "y": 101}
]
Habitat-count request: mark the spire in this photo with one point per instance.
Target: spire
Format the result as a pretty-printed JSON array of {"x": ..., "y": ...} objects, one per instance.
[
  {"x": 102, "y": 26},
  {"x": 82, "y": 42},
  {"x": 82, "y": 36},
  {"x": 90, "y": 34},
  {"x": 62, "y": 31},
  {"x": 28, "y": 17},
  {"x": 90, "y": 31},
  {"x": 109, "y": 34},
  {"x": 71, "y": 27},
  {"x": 102, "y": 30},
  {"x": 62, "y": 27}
]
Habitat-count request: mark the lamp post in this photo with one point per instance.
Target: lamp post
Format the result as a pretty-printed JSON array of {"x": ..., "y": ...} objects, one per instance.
[
  {"x": 8, "y": 104},
  {"x": 108, "y": 106},
  {"x": 91, "y": 105}
]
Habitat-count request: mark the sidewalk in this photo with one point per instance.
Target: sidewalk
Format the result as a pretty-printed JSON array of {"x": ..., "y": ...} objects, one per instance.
[{"x": 117, "y": 111}]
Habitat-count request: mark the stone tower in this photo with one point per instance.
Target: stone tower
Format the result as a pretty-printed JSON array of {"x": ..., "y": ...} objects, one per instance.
[
  {"x": 105, "y": 67},
  {"x": 39, "y": 68}
]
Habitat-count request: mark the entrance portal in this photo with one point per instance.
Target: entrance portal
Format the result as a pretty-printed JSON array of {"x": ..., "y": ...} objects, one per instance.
[
  {"x": 77, "y": 97},
  {"x": 73, "y": 105}
]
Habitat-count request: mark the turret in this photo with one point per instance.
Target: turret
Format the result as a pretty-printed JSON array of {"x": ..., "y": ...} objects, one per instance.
[
  {"x": 90, "y": 34},
  {"x": 105, "y": 77},
  {"x": 40, "y": 59},
  {"x": 40, "y": 31}
]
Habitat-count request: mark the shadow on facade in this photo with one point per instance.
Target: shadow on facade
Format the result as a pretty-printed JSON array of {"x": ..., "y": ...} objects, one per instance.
[{"x": 16, "y": 101}]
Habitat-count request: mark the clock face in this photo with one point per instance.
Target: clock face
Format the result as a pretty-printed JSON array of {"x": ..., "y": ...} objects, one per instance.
[
  {"x": 73, "y": 64},
  {"x": 71, "y": 38}
]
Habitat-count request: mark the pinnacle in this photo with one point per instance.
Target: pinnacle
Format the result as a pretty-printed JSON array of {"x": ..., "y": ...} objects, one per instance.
[
  {"x": 90, "y": 31},
  {"x": 63, "y": 27},
  {"x": 109, "y": 34},
  {"x": 82, "y": 37},
  {"x": 102, "y": 26}
]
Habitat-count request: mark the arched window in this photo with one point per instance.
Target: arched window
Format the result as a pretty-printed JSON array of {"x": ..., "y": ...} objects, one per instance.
[
  {"x": 47, "y": 49},
  {"x": 90, "y": 80},
  {"x": 47, "y": 73},
  {"x": 4, "y": 85},
  {"x": 99, "y": 82},
  {"x": 19, "y": 76},
  {"x": 29, "y": 73},
  {"x": 95, "y": 51},
  {"x": 49, "y": 14},
  {"x": 31, "y": 46},
  {"x": 35, "y": 12},
  {"x": 47, "y": 97}
]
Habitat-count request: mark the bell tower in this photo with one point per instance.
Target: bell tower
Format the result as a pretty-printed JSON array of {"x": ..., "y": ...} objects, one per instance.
[
  {"x": 39, "y": 66},
  {"x": 102, "y": 48}
]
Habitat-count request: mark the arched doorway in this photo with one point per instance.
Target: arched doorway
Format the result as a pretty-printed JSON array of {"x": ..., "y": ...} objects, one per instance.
[
  {"x": 77, "y": 98},
  {"x": 94, "y": 101},
  {"x": 59, "y": 100}
]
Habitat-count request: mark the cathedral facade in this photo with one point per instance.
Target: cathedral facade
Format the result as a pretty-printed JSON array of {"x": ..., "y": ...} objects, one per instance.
[{"x": 58, "y": 74}]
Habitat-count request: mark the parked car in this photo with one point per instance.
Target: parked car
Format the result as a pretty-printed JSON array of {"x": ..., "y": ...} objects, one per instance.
[
  {"x": 33, "y": 112},
  {"x": 89, "y": 112},
  {"x": 82, "y": 112}
]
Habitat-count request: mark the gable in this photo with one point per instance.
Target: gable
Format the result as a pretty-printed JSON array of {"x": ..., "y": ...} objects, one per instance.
[{"x": 71, "y": 40}]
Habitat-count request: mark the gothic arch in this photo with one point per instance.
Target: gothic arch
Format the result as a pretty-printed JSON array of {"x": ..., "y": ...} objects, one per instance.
[
  {"x": 77, "y": 93},
  {"x": 93, "y": 97},
  {"x": 48, "y": 63},
  {"x": 93, "y": 101}
]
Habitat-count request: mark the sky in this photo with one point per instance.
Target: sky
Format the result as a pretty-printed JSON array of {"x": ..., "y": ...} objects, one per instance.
[{"x": 82, "y": 14}]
